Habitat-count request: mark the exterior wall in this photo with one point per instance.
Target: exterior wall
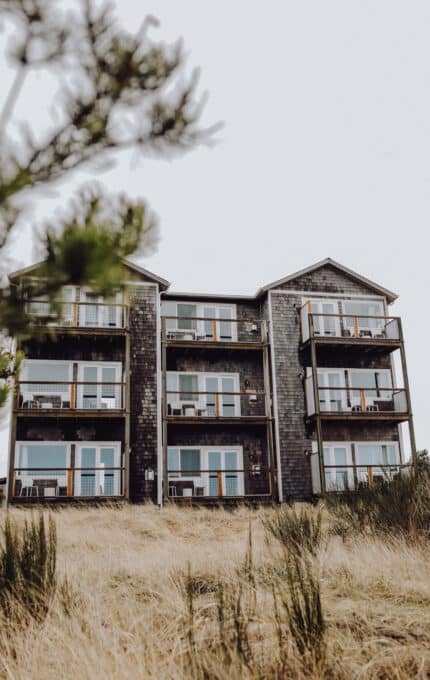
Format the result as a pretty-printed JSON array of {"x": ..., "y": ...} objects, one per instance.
[
  {"x": 294, "y": 441},
  {"x": 143, "y": 390},
  {"x": 295, "y": 435},
  {"x": 80, "y": 348},
  {"x": 70, "y": 429},
  {"x": 327, "y": 279}
]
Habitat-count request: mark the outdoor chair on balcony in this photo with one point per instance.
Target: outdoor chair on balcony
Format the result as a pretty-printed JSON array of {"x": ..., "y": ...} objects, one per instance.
[
  {"x": 346, "y": 333},
  {"x": 47, "y": 400},
  {"x": 356, "y": 408},
  {"x": 365, "y": 334},
  {"x": 179, "y": 488},
  {"x": 372, "y": 408},
  {"x": 46, "y": 487}
]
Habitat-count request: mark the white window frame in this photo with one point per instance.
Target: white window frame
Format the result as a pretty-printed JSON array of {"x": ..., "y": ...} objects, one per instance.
[
  {"x": 99, "y": 365},
  {"x": 201, "y": 401},
  {"x": 331, "y": 473},
  {"x": 360, "y": 471},
  {"x": 336, "y": 301},
  {"x": 355, "y": 401},
  {"x": 100, "y": 304},
  {"x": 28, "y": 391},
  {"x": 204, "y": 479},
  {"x": 79, "y": 445},
  {"x": 199, "y": 332},
  {"x": 26, "y": 476},
  {"x": 99, "y": 474}
]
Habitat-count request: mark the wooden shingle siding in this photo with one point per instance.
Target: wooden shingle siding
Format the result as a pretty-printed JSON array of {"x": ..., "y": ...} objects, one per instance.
[{"x": 143, "y": 388}]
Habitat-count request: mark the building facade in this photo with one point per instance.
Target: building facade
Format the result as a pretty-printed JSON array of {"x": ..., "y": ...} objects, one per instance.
[{"x": 160, "y": 396}]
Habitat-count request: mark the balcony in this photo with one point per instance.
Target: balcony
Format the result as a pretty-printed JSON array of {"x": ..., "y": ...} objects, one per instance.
[
  {"x": 382, "y": 331},
  {"x": 85, "y": 316},
  {"x": 65, "y": 483},
  {"x": 215, "y": 407},
  {"x": 341, "y": 478},
  {"x": 214, "y": 332},
  {"x": 340, "y": 403},
  {"x": 36, "y": 398},
  {"x": 214, "y": 485}
]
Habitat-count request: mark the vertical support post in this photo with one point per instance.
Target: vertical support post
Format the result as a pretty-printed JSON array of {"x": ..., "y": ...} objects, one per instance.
[
  {"x": 268, "y": 409},
  {"x": 363, "y": 399},
  {"x": 370, "y": 475},
  {"x": 164, "y": 407},
  {"x": 408, "y": 394},
  {"x": 220, "y": 491},
  {"x": 356, "y": 328},
  {"x": 126, "y": 405},
  {"x": 214, "y": 330},
  {"x": 73, "y": 395},
  {"x": 217, "y": 410},
  {"x": 317, "y": 414},
  {"x": 75, "y": 314}
]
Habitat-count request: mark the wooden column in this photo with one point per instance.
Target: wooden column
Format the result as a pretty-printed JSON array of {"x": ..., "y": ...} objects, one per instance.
[
  {"x": 408, "y": 395},
  {"x": 317, "y": 414},
  {"x": 164, "y": 408},
  {"x": 268, "y": 411}
]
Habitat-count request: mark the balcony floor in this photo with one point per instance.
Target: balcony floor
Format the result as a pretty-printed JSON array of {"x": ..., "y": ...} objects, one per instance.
[
  {"x": 69, "y": 413},
  {"x": 379, "y": 416},
  {"x": 362, "y": 343},
  {"x": 217, "y": 420}
]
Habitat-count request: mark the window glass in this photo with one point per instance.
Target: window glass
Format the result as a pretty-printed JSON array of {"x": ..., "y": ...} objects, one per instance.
[
  {"x": 365, "y": 310},
  {"x": 173, "y": 462},
  {"x": 37, "y": 456},
  {"x": 190, "y": 462},
  {"x": 188, "y": 387},
  {"x": 50, "y": 372},
  {"x": 186, "y": 312}
]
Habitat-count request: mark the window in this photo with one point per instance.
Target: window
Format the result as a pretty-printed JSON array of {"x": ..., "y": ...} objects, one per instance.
[
  {"x": 364, "y": 310},
  {"x": 42, "y": 386},
  {"x": 99, "y": 388},
  {"x": 37, "y": 457},
  {"x": 184, "y": 462},
  {"x": 338, "y": 477},
  {"x": 212, "y": 322},
  {"x": 208, "y": 471},
  {"x": 97, "y": 473},
  {"x": 210, "y": 394}
]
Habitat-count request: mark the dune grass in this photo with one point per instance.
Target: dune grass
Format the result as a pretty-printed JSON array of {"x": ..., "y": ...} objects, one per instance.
[{"x": 185, "y": 593}]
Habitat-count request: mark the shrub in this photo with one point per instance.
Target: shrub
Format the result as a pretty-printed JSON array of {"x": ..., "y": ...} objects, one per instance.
[
  {"x": 298, "y": 530},
  {"x": 28, "y": 566}
]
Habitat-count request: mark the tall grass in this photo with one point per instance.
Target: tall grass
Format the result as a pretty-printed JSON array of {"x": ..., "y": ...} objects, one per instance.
[
  {"x": 27, "y": 566},
  {"x": 298, "y": 529},
  {"x": 187, "y": 593}
]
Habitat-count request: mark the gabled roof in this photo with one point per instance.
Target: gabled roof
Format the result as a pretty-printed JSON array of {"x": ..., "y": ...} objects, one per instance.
[
  {"x": 130, "y": 265},
  {"x": 328, "y": 262}
]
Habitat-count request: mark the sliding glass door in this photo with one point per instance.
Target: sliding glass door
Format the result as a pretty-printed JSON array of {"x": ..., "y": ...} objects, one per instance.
[{"x": 96, "y": 474}]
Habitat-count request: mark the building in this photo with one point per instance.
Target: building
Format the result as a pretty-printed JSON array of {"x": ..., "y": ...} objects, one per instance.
[{"x": 160, "y": 395}]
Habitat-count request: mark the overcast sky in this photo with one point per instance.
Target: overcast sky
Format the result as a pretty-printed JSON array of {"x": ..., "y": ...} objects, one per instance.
[{"x": 325, "y": 151}]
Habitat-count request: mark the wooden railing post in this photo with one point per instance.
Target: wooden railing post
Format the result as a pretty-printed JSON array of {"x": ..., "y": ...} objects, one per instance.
[
  {"x": 356, "y": 328},
  {"x": 220, "y": 491},
  {"x": 214, "y": 330},
  {"x": 217, "y": 409},
  {"x": 370, "y": 475},
  {"x": 363, "y": 399},
  {"x": 69, "y": 482}
]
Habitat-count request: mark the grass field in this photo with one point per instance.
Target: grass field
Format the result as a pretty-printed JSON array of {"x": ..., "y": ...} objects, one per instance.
[{"x": 164, "y": 594}]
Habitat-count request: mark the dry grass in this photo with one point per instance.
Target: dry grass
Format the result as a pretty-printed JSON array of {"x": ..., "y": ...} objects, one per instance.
[{"x": 124, "y": 612}]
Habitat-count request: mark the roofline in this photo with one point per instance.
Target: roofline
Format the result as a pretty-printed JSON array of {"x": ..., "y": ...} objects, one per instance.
[
  {"x": 146, "y": 272},
  {"x": 139, "y": 270},
  {"x": 328, "y": 261},
  {"x": 209, "y": 296}
]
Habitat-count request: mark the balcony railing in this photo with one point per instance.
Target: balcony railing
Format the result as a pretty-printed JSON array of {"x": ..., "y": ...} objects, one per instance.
[
  {"x": 65, "y": 483},
  {"x": 339, "y": 478},
  {"x": 356, "y": 401},
  {"x": 217, "y": 483},
  {"x": 349, "y": 327},
  {"x": 181, "y": 404},
  {"x": 95, "y": 396},
  {"x": 204, "y": 329},
  {"x": 80, "y": 314}
]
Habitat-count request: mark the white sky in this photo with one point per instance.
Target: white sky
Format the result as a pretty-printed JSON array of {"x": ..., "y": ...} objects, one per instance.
[{"x": 325, "y": 152}]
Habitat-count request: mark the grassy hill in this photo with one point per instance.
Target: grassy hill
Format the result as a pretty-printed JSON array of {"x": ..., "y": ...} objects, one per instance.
[{"x": 183, "y": 593}]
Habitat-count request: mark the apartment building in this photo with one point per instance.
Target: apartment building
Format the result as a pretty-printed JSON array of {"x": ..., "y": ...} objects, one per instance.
[{"x": 194, "y": 398}]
